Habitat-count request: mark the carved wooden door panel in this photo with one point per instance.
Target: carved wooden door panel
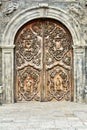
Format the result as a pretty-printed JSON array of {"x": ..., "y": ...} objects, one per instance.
[{"x": 43, "y": 62}]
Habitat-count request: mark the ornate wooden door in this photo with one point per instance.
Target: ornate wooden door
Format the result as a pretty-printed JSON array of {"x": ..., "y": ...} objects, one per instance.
[{"x": 43, "y": 62}]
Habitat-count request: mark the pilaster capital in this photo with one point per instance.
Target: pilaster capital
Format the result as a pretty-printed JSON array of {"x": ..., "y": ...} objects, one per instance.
[{"x": 7, "y": 46}]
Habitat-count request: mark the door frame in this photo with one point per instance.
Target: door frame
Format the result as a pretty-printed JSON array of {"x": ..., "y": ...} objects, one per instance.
[{"x": 7, "y": 45}]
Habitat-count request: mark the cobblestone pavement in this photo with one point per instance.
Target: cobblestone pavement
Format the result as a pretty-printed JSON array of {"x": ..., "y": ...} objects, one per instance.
[{"x": 43, "y": 116}]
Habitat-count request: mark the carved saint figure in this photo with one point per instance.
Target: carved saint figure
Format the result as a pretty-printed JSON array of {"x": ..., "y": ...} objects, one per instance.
[
  {"x": 57, "y": 83},
  {"x": 28, "y": 84}
]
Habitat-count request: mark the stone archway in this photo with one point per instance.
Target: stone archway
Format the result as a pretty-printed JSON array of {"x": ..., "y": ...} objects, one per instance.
[{"x": 8, "y": 48}]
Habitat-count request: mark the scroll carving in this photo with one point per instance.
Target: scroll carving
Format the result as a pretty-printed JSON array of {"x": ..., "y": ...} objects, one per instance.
[
  {"x": 77, "y": 10},
  {"x": 12, "y": 6}
]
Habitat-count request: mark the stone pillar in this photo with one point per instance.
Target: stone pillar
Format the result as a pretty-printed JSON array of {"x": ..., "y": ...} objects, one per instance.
[
  {"x": 7, "y": 73},
  {"x": 86, "y": 74},
  {"x": 79, "y": 73}
]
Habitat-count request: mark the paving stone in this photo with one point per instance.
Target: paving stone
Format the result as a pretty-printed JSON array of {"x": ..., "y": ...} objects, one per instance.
[
  {"x": 76, "y": 123},
  {"x": 61, "y": 124},
  {"x": 68, "y": 129},
  {"x": 43, "y": 116},
  {"x": 81, "y": 128}
]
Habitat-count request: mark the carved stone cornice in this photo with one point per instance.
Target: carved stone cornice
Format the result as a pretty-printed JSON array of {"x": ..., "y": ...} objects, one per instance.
[{"x": 45, "y": 5}]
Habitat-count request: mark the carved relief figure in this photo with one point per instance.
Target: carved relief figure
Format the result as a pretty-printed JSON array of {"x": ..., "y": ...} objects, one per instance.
[
  {"x": 12, "y": 6},
  {"x": 76, "y": 9},
  {"x": 28, "y": 84},
  {"x": 58, "y": 83}
]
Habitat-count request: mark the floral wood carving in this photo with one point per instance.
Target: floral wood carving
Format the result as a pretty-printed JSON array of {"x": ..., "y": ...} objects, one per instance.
[{"x": 43, "y": 58}]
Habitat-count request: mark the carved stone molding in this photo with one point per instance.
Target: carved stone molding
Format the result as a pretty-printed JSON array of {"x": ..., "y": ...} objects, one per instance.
[
  {"x": 45, "y": 5},
  {"x": 76, "y": 10},
  {"x": 11, "y": 7},
  {"x": 37, "y": 12},
  {"x": 7, "y": 46}
]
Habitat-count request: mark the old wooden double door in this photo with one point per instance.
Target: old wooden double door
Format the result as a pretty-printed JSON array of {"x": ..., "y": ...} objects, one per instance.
[{"x": 43, "y": 62}]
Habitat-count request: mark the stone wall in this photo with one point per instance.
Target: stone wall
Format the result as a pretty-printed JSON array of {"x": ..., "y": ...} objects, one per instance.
[
  {"x": 76, "y": 9},
  {"x": 0, "y": 67}
]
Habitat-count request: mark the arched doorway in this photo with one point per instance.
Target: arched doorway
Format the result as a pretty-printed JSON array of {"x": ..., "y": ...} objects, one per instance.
[
  {"x": 8, "y": 45},
  {"x": 43, "y": 62}
]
